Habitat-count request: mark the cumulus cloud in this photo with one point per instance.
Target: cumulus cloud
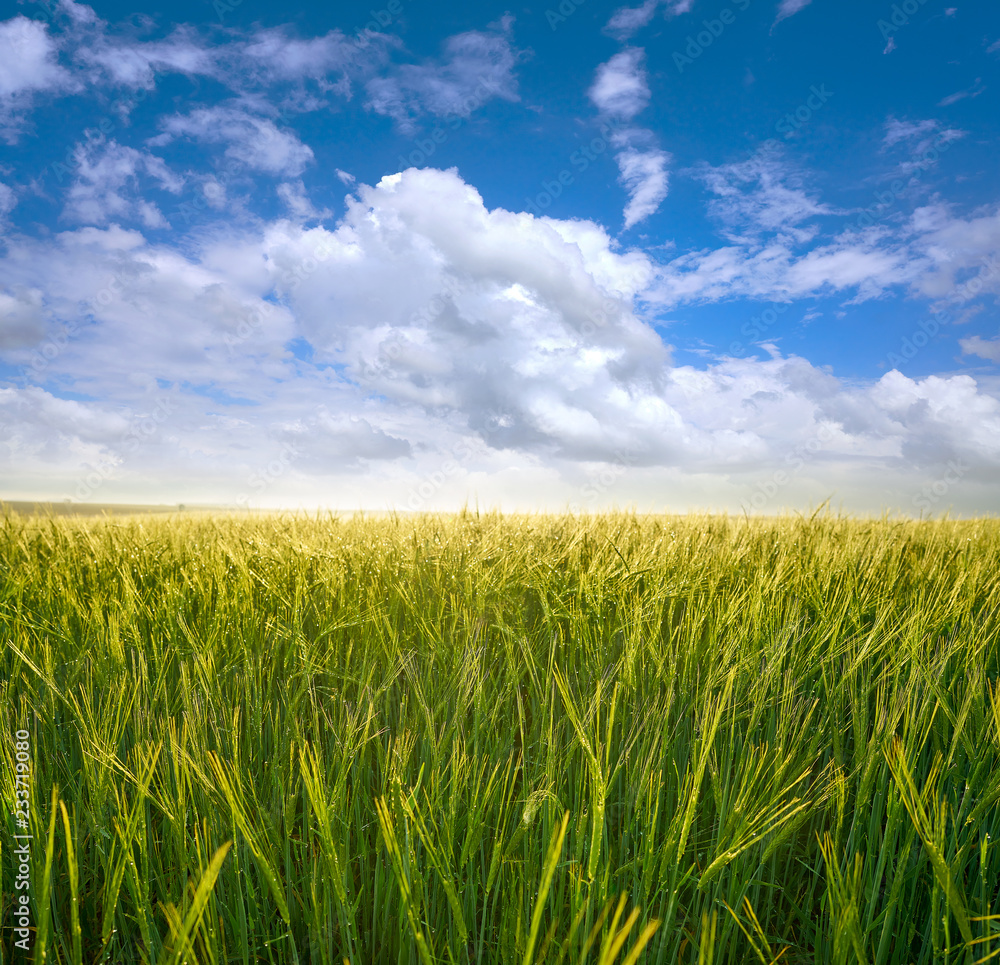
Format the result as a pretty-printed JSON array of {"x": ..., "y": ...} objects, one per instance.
[
  {"x": 28, "y": 58},
  {"x": 251, "y": 140},
  {"x": 625, "y": 21},
  {"x": 620, "y": 89},
  {"x": 426, "y": 329},
  {"x": 476, "y": 67},
  {"x": 962, "y": 254},
  {"x": 22, "y": 320},
  {"x": 28, "y": 65},
  {"x": 934, "y": 254}
]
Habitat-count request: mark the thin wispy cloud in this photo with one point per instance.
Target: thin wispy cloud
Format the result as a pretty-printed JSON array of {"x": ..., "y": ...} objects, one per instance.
[
  {"x": 475, "y": 67},
  {"x": 626, "y": 21},
  {"x": 788, "y": 8}
]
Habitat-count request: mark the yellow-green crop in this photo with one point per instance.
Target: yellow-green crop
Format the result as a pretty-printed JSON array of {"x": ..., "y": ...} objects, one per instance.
[{"x": 502, "y": 739}]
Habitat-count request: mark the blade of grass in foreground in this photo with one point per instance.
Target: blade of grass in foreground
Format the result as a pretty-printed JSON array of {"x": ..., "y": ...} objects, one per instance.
[
  {"x": 182, "y": 930},
  {"x": 548, "y": 870},
  {"x": 929, "y": 828}
]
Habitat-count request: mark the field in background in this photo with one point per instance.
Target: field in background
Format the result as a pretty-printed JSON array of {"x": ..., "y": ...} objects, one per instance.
[
  {"x": 68, "y": 508},
  {"x": 505, "y": 739}
]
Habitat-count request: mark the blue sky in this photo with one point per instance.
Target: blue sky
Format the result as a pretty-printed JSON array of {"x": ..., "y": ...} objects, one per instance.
[{"x": 682, "y": 254}]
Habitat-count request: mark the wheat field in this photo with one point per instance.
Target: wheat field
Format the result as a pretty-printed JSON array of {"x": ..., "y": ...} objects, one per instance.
[{"x": 491, "y": 739}]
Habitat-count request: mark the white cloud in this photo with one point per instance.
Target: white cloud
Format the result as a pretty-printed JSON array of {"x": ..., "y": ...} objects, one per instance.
[
  {"x": 106, "y": 184},
  {"x": 974, "y": 91},
  {"x": 620, "y": 89},
  {"x": 985, "y": 348},
  {"x": 134, "y": 64},
  {"x": 625, "y": 21},
  {"x": 962, "y": 254},
  {"x": 933, "y": 255},
  {"x": 761, "y": 194},
  {"x": 293, "y": 194},
  {"x": 28, "y": 64},
  {"x": 27, "y": 58},
  {"x": 278, "y": 56},
  {"x": 438, "y": 329},
  {"x": 788, "y": 8},
  {"x": 645, "y": 177},
  {"x": 897, "y": 130},
  {"x": 8, "y": 201},
  {"x": 252, "y": 140},
  {"x": 22, "y": 320},
  {"x": 477, "y": 66},
  {"x": 923, "y": 140}
]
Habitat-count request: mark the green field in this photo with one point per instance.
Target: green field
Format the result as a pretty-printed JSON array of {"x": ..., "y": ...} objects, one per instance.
[{"x": 504, "y": 739}]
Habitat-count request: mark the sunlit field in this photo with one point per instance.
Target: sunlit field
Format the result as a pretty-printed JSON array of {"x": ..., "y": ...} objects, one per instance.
[{"x": 502, "y": 739}]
